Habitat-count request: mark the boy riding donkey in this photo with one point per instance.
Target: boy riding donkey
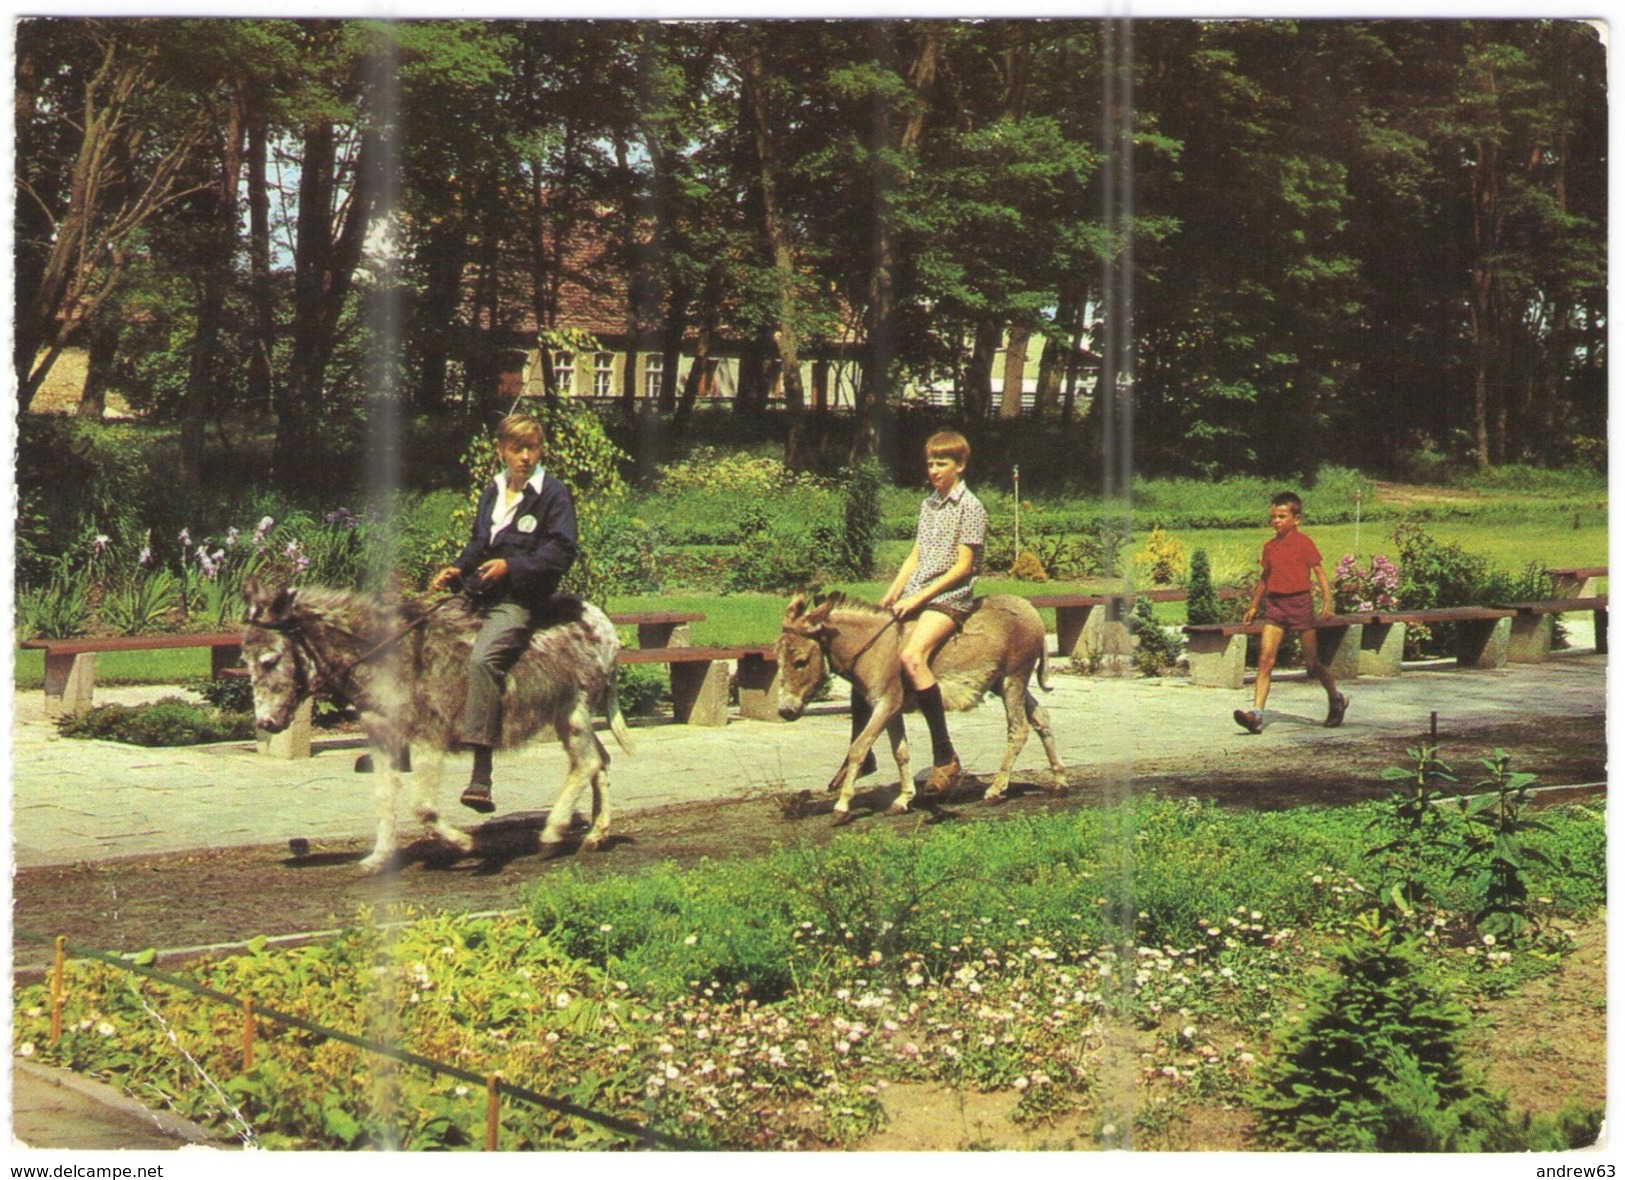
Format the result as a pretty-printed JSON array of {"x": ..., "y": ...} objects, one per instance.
[{"x": 523, "y": 543}]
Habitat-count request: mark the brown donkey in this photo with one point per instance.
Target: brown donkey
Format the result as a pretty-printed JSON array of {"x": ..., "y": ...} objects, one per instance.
[{"x": 996, "y": 650}]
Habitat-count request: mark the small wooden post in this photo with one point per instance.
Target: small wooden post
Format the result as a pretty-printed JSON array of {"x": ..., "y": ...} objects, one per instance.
[
  {"x": 493, "y": 1111},
  {"x": 248, "y": 1034},
  {"x": 57, "y": 987}
]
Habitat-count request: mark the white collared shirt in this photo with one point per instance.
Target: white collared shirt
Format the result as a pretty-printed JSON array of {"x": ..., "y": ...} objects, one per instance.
[{"x": 506, "y": 503}]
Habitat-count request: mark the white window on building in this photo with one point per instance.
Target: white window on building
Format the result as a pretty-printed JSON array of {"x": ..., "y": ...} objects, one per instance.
[
  {"x": 564, "y": 372},
  {"x": 603, "y": 374},
  {"x": 654, "y": 368}
]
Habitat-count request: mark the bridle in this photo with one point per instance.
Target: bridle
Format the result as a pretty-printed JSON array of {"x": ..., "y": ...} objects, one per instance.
[
  {"x": 823, "y": 640},
  {"x": 329, "y": 677}
]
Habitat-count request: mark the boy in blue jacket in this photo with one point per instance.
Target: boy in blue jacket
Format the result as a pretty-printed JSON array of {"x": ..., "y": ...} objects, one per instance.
[{"x": 523, "y": 543}]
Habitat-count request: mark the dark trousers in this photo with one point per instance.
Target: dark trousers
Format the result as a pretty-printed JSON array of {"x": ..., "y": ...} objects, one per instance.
[{"x": 503, "y": 638}]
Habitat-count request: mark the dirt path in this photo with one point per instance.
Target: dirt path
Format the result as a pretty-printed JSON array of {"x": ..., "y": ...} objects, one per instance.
[{"x": 224, "y": 895}]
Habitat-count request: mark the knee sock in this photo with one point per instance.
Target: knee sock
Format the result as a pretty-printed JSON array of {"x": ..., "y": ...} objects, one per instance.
[
  {"x": 930, "y": 701},
  {"x": 482, "y": 765}
]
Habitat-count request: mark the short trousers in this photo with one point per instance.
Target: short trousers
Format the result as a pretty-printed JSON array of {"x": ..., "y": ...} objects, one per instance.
[
  {"x": 957, "y": 613},
  {"x": 1292, "y": 612}
]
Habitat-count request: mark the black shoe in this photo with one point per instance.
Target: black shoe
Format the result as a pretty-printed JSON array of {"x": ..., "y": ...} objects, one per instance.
[
  {"x": 1250, "y": 720},
  {"x": 477, "y": 797}
]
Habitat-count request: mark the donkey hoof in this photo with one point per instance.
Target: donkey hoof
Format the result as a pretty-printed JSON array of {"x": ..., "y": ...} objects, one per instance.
[
  {"x": 375, "y": 864},
  {"x": 842, "y": 818},
  {"x": 898, "y": 808},
  {"x": 995, "y": 797},
  {"x": 549, "y": 849},
  {"x": 836, "y": 783},
  {"x": 597, "y": 843}
]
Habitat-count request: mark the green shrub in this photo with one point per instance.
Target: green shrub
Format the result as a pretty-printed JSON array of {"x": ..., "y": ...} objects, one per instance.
[
  {"x": 640, "y": 689},
  {"x": 626, "y": 554},
  {"x": 1202, "y": 602},
  {"x": 778, "y": 557},
  {"x": 1375, "y": 1063},
  {"x": 1157, "y": 649},
  {"x": 860, "y": 519},
  {"x": 172, "y": 721},
  {"x": 229, "y": 694}
]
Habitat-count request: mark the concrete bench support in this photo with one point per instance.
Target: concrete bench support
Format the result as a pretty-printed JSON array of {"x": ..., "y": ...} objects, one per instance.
[
  {"x": 699, "y": 692},
  {"x": 293, "y": 742},
  {"x": 1530, "y": 639},
  {"x": 1382, "y": 649},
  {"x": 1339, "y": 649},
  {"x": 758, "y": 681},
  {"x": 1217, "y": 661},
  {"x": 1483, "y": 643},
  {"x": 70, "y": 683}
]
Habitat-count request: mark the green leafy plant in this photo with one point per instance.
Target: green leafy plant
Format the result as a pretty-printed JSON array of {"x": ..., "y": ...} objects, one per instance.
[
  {"x": 1101, "y": 547},
  {"x": 1498, "y": 852},
  {"x": 229, "y": 694},
  {"x": 640, "y": 689},
  {"x": 142, "y": 602},
  {"x": 1416, "y": 827},
  {"x": 57, "y": 609}
]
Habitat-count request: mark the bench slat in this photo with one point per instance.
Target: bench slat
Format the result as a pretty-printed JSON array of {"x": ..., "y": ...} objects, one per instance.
[
  {"x": 691, "y": 655},
  {"x": 1443, "y": 614},
  {"x": 73, "y": 647},
  {"x": 1557, "y": 606}
]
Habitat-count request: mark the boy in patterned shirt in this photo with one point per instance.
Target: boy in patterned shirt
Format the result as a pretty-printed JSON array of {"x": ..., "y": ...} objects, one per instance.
[
  {"x": 1290, "y": 560},
  {"x": 935, "y": 585}
]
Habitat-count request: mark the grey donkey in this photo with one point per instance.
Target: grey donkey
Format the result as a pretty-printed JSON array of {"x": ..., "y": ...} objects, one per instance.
[
  {"x": 997, "y": 649},
  {"x": 404, "y": 666}
]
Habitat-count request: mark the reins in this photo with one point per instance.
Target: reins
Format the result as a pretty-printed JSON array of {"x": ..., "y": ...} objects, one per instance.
[
  {"x": 829, "y": 655},
  {"x": 292, "y": 629}
]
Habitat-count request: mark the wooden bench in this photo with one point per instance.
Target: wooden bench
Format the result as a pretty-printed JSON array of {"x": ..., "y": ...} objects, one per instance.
[
  {"x": 1482, "y": 636},
  {"x": 699, "y": 680},
  {"x": 659, "y": 628},
  {"x": 1218, "y": 651},
  {"x": 1530, "y": 641},
  {"x": 70, "y": 664},
  {"x": 1081, "y": 630},
  {"x": 1580, "y": 582}
]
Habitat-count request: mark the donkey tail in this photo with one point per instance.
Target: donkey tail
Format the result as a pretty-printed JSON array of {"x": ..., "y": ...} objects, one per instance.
[
  {"x": 612, "y": 714},
  {"x": 1043, "y": 667}
]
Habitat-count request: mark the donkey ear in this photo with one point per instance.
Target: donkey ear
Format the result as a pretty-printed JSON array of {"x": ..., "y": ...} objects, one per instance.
[
  {"x": 798, "y": 603},
  {"x": 269, "y": 607},
  {"x": 819, "y": 615}
]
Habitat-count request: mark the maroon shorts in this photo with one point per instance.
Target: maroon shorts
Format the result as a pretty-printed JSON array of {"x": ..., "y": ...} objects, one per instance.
[{"x": 1292, "y": 612}]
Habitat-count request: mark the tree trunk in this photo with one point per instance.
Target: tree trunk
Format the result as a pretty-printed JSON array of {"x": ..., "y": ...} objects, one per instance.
[
  {"x": 263, "y": 314},
  {"x": 893, "y": 149},
  {"x": 325, "y": 259},
  {"x": 978, "y": 383},
  {"x": 202, "y": 374},
  {"x": 103, "y": 348},
  {"x": 1015, "y": 371}
]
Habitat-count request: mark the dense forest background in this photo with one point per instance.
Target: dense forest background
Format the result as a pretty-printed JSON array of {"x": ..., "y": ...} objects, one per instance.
[{"x": 1286, "y": 242}]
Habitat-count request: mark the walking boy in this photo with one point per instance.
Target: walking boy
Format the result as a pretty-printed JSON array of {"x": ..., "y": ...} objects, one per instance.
[
  {"x": 935, "y": 584},
  {"x": 523, "y": 543},
  {"x": 1289, "y": 560}
]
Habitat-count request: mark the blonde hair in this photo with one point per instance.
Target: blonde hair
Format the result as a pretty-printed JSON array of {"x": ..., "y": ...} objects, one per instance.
[
  {"x": 520, "y": 427},
  {"x": 948, "y": 444}
]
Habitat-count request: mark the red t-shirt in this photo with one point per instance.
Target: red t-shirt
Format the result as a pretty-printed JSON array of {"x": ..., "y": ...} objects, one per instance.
[{"x": 1287, "y": 561}]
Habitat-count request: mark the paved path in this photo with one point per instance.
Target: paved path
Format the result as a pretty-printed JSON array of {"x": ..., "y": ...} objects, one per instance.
[{"x": 87, "y": 800}]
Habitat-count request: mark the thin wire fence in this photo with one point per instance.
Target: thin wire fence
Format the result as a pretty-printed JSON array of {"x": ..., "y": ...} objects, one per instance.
[{"x": 494, "y": 1085}]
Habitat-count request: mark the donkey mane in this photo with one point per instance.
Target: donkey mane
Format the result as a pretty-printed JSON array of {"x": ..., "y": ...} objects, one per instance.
[{"x": 841, "y": 600}]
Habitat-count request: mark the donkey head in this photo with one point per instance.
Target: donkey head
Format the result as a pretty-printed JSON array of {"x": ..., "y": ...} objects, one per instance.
[
  {"x": 800, "y": 653},
  {"x": 278, "y": 669}
]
